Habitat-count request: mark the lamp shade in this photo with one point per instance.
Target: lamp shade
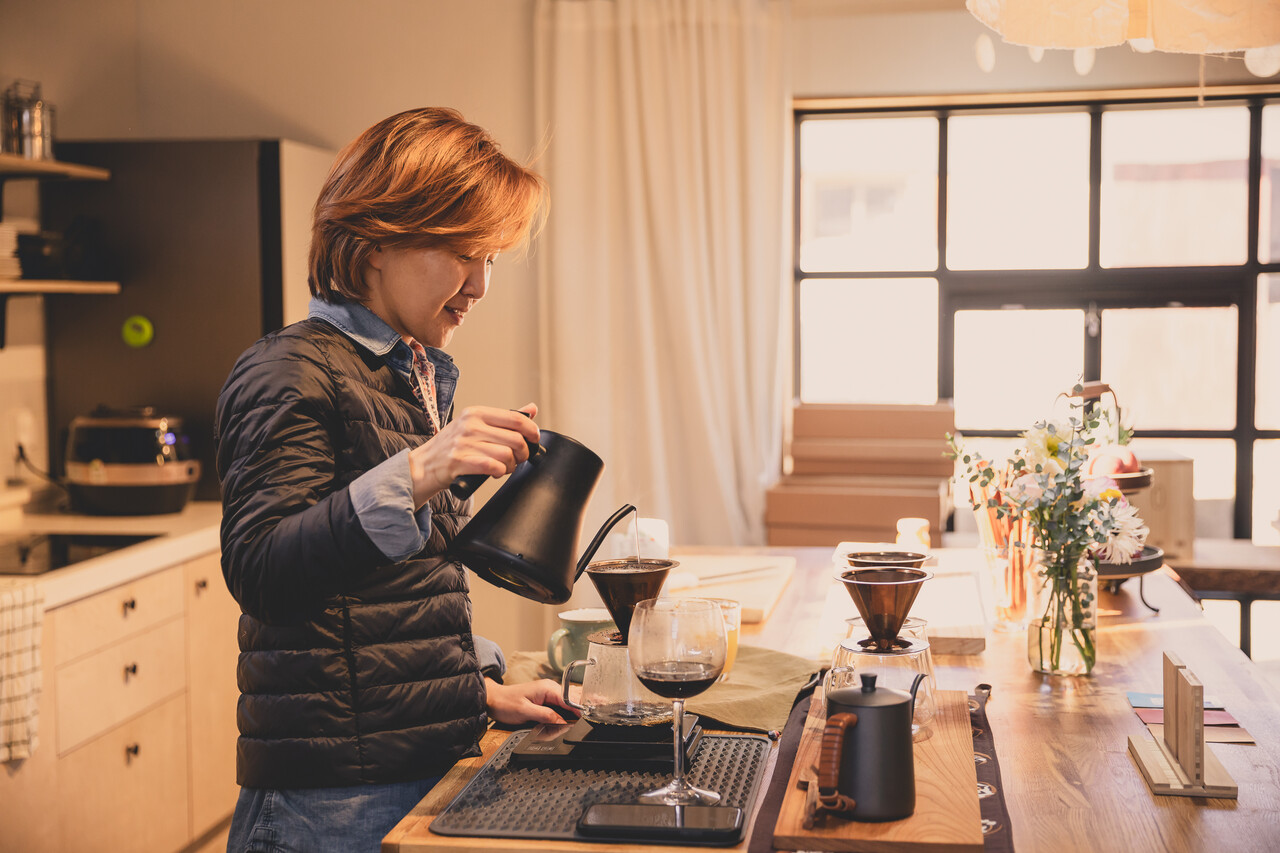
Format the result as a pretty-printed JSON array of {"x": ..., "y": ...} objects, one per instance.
[{"x": 1173, "y": 26}]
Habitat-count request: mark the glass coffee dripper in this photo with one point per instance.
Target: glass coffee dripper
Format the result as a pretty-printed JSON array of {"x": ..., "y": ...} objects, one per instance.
[{"x": 896, "y": 668}]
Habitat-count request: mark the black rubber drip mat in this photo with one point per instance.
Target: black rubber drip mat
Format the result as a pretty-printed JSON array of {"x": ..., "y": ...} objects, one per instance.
[{"x": 538, "y": 802}]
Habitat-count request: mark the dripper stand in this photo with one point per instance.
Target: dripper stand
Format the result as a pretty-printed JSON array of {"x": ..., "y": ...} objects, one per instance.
[{"x": 883, "y": 596}]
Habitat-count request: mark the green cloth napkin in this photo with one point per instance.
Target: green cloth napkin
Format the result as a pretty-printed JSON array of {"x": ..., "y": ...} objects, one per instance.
[{"x": 757, "y": 697}]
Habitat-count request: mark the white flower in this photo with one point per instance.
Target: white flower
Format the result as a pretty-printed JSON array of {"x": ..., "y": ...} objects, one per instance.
[
  {"x": 1043, "y": 443},
  {"x": 1126, "y": 534}
]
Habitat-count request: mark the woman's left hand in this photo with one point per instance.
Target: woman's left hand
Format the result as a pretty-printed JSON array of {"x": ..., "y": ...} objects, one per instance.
[{"x": 525, "y": 703}]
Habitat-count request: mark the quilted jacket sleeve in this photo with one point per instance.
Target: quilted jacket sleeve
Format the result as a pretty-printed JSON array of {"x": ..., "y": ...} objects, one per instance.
[{"x": 290, "y": 535}]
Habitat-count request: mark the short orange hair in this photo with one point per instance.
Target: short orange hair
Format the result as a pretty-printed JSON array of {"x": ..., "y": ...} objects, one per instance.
[{"x": 423, "y": 178}]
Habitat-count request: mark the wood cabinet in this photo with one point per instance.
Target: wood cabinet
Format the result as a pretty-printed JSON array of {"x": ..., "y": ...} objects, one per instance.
[
  {"x": 137, "y": 720},
  {"x": 212, "y": 694},
  {"x": 126, "y": 790}
]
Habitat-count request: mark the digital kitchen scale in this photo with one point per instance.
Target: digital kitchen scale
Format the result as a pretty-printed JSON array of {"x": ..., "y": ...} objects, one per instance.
[{"x": 584, "y": 744}]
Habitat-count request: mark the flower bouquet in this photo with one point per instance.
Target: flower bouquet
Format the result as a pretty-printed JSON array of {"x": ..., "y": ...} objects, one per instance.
[{"x": 1042, "y": 499}]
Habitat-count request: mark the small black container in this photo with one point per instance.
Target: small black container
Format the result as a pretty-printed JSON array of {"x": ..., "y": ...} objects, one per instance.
[{"x": 129, "y": 462}]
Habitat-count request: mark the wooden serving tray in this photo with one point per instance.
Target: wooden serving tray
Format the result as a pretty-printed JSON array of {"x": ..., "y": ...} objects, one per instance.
[{"x": 947, "y": 818}]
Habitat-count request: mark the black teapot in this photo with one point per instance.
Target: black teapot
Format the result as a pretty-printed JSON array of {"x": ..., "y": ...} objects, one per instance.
[{"x": 866, "y": 770}]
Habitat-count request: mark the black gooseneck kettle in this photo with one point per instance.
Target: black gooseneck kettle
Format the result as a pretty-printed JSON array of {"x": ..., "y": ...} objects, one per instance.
[{"x": 524, "y": 537}]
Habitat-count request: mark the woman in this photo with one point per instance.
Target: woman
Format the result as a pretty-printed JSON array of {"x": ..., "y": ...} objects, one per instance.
[{"x": 361, "y": 682}]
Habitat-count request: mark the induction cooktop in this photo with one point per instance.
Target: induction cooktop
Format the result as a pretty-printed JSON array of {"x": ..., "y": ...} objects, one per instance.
[{"x": 37, "y": 553}]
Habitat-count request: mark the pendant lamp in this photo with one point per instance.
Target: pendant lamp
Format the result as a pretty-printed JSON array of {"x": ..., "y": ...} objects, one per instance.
[{"x": 1172, "y": 26}]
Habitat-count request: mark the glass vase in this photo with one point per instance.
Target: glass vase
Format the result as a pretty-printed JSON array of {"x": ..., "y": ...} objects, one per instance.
[
  {"x": 1006, "y": 586},
  {"x": 1062, "y": 607}
]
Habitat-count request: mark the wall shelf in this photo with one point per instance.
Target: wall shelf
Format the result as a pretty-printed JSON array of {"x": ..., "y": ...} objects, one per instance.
[
  {"x": 16, "y": 166},
  {"x": 13, "y": 166},
  {"x": 28, "y": 287}
]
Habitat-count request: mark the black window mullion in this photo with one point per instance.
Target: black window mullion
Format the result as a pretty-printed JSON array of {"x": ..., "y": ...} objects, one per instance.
[
  {"x": 946, "y": 313},
  {"x": 1095, "y": 186}
]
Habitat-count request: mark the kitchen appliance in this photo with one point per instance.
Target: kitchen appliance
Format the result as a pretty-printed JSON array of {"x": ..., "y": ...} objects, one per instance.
[
  {"x": 611, "y": 693},
  {"x": 129, "y": 462},
  {"x": 524, "y": 537},
  {"x": 583, "y": 744},
  {"x": 866, "y": 769}
]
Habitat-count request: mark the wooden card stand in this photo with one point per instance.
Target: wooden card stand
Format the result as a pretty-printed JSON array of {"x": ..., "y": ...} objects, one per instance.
[{"x": 1179, "y": 764}]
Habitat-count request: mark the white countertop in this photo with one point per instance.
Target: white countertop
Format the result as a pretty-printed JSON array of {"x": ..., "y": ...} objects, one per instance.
[{"x": 180, "y": 536}]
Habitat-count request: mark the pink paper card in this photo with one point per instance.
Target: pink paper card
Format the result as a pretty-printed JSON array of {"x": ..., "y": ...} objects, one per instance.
[{"x": 1155, "y": 716}]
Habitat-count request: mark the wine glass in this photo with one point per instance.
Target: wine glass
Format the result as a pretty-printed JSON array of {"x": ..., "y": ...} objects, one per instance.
[{"x": 678, "y": 648}]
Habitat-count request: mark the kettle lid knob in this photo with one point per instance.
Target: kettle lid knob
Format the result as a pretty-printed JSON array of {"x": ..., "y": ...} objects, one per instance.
[{"x": 868, "y": 682}]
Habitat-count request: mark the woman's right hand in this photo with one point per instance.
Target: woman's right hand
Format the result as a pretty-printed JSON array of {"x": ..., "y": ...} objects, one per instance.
[{"x": 479, "y": 440}]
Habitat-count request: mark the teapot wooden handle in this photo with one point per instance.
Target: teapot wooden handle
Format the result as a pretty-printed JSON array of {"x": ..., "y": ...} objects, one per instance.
[{"x": 832, "y": 747}]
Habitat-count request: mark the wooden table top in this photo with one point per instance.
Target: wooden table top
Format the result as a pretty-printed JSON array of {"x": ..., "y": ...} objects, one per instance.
[
  {"x": 1231, "y": 565},
  {"x": 1061, "y": 742}
]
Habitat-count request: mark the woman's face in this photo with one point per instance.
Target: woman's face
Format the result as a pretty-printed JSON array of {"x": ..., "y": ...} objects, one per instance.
[{"x": 425, "y": 293}]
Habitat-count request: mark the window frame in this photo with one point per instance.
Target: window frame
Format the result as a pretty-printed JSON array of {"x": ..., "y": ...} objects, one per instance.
[{"x": 1092, "y": 288}]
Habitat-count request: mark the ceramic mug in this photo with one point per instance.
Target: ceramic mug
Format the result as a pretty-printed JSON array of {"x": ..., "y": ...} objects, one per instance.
[{"x": 569, "y": 641}]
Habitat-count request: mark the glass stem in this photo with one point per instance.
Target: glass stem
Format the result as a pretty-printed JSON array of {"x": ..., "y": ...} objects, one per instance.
[{"x": 677, "y": 727}]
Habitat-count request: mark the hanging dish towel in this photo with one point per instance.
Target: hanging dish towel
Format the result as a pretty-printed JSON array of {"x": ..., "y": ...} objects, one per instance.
[{"x": 21, "y": 624}]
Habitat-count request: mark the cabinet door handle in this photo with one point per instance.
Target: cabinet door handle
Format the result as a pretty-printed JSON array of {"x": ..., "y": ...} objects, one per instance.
[
  {"x": 131, "y": 669},
  {"x": 129, "y": 604},
  {"x": 201, "y": 585},
  {"x": 130, "y": 753}
]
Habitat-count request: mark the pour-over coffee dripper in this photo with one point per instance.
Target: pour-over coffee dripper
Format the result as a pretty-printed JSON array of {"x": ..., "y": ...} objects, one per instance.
[
  {"x": 623, "y": 584},
  {"x": 884, "y": 596}
]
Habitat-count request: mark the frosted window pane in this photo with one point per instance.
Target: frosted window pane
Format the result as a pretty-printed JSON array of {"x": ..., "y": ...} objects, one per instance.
[
  {"x": 1269, "y": 211},
  {"x": 869, "y": 341},
  {"x": 1172, "y": 368},
  {"x": 1268, "y": 361},
  {"x": 1018, "y": 191},
  {"x": 1266, "y": 492},
  {"x": 1174, "y": 187},
  {"x": 1010, "y": 365},
  {"x": 869, "y": 194}
]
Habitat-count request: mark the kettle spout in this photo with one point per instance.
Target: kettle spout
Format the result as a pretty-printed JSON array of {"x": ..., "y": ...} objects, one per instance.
[
  {"x": 599, "y": 538},
  {"x": 915, "y": 685}
]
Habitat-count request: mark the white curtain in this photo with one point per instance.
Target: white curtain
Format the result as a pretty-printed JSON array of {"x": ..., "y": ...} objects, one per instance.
[{"x": 664, "y": 267}]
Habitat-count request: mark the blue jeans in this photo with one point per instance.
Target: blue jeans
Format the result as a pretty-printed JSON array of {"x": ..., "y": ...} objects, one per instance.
[{"x": 321, "y": 820}]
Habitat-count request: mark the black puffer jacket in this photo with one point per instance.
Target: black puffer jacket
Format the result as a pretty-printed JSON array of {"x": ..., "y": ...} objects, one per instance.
[{"x": 352, "y": 669}]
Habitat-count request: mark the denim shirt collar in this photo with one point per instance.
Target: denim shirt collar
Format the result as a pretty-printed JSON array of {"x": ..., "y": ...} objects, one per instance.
[{"x": 371, "y": 332}]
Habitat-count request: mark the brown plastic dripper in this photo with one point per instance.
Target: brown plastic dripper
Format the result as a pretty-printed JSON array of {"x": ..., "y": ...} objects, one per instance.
[
  {"x": 884, "y": 597},
  {"x": 623, "y": 584}
]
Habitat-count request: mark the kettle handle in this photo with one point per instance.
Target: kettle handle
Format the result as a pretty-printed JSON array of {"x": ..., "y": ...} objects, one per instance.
[
  {"x": 465, "y": 486},
  {"x": 599, "y": 538},
  {"x": 828, "y": 783}
]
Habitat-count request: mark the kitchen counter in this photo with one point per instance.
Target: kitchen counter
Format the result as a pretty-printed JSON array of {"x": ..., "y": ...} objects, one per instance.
[{"x": 180, "y": 537}]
